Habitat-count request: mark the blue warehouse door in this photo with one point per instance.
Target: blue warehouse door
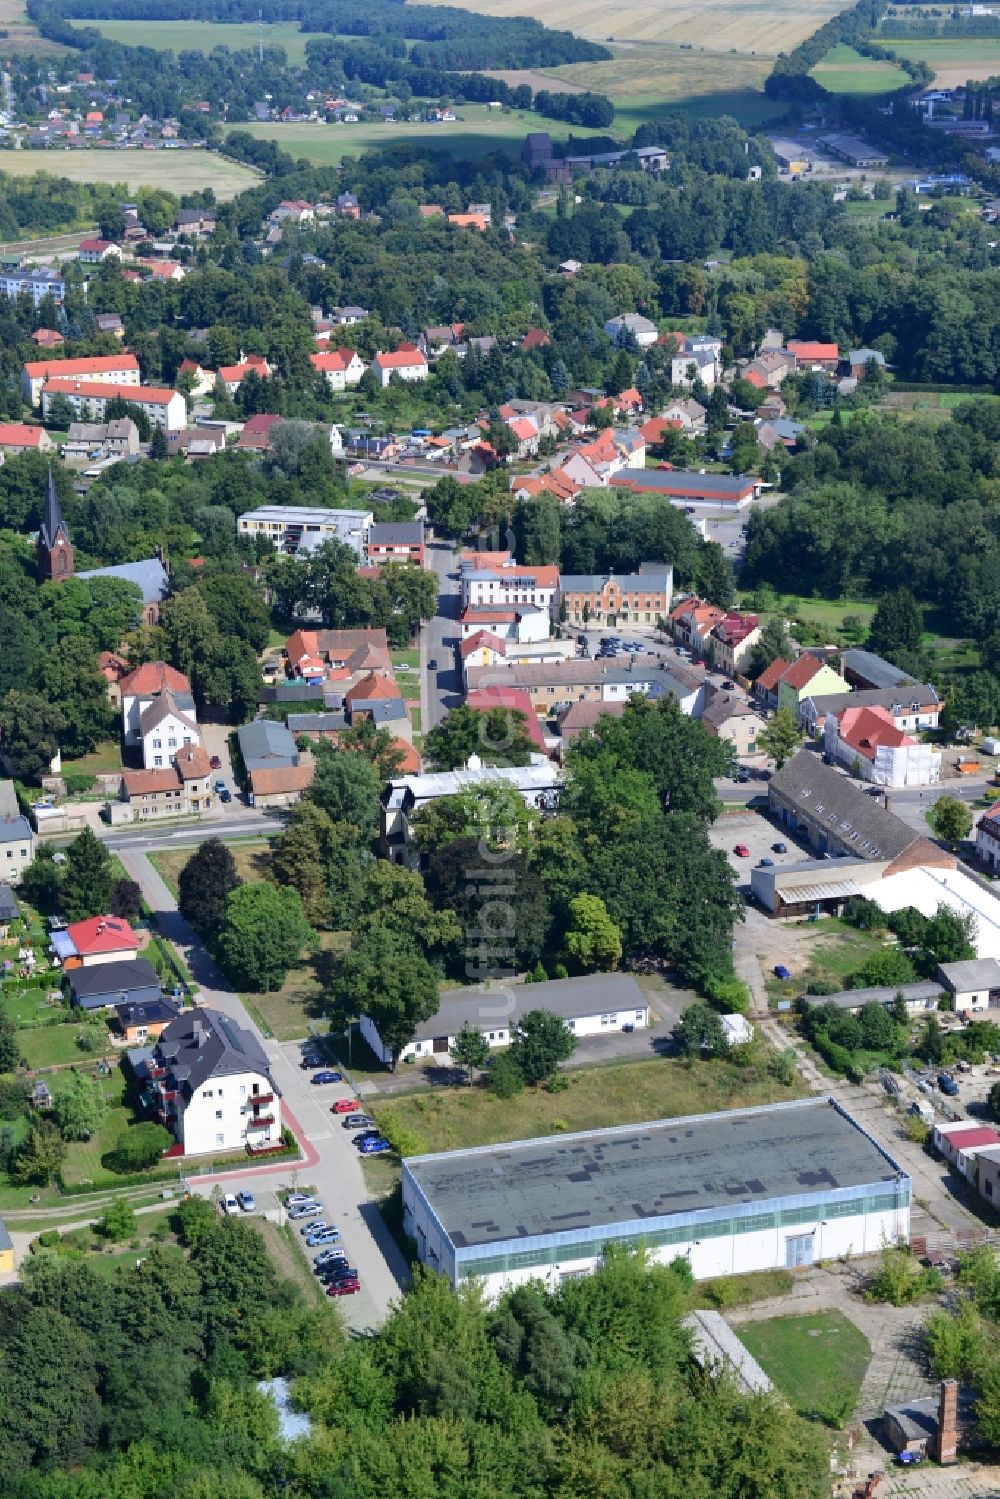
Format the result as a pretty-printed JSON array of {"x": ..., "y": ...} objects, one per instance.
[{"x": 798, "y": 1250}]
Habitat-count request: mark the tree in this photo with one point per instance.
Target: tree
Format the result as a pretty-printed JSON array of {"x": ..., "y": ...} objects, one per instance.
[
  {"x": 10, "y": 1049},
  {"x": 118, "y": 1221},
  {"x": 699, "y": 1030},
  {"x": 994, "y": 1101},
  {"x": 126, "y": 897},
  {"x": 204, "y": 886},
  {"x": 950, "y": 820},
  {"x": 878, "y": 1029},
  {"x": 71, "y": 682},
  {"x": 389, "y": 980},
  {"x": 780, "y": 736},
  {"x": 593, "y": 940},
  {"x": 948, "y": 936},
  {"x": 774, "y": 642},
  {"x": 31, "y": 728},
  {"x": 79, "y": 1108},
  {"x": 347, "y": 789},
  {"x": 40, "y": 1154},
  {"x": 506, "y": 1079},
  {"x": 539, "y": 1042},
  {"x": 88, "y": 877},
  {"x": 141, "y": 1146},
  {"x": 300, "y": 859},
  {"x": 158, "y": 444},
  {"x": 42, "y": 881},
  {"x": 931, "y": 1045},
  {"x": 897, "y": 625},
  {"x": 499, "y": 736},
  {"x": 196, "y": 1219},
  {"x": 887, "y": 967},
  {"x": 470, "y": 1049},
  {"x": 263, "y": 932}
]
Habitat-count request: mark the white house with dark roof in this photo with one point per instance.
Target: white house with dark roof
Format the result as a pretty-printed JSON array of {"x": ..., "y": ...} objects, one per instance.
[
  {"x": 16, "y": 848},
  {"x": 164, "y": 729},
  {"x": 209, "y": 1082}
]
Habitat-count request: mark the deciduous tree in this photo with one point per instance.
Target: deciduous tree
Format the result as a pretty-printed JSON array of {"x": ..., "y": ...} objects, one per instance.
[
  {"x": 264, "y": 931},
  {"x": 950, "y": 820},
  {"x": 539, "y": 1042},
  {"x": 593, "y": 940},
  {"x": 204, "y": 886},
  {"x": 780, "y": 736}
]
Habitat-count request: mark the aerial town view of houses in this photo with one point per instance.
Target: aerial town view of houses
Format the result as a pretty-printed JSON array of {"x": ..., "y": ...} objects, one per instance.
[{"x": 499, "y": 752}]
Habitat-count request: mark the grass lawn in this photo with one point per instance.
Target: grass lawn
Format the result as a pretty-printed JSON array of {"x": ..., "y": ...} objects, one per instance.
[
  {"x": 287, "y": 1013},
  {"x": 83, "y": 1157},
  {"x": 826, "y": 614},
  {"x": 817, "y": 1362},
  {"x": 175, "y": 171},
  {"x": 252, "y": 861},
  {"x": 839, "y": 950},
  {"x": 285, "y": 1249},
  {"x": 618, "y": 1093},
  {"x": 54, "y": 1045},
  {"x": 844, "y": 71},
  {"x": 27, "y": 1006},
  {"x": 104, "y": 760},
  {"x": 867, "y": 208},
  {"x": 203, "y": 36}
]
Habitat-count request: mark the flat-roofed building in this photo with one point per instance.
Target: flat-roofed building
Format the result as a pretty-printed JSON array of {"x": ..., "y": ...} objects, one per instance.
[
  {"x": 750, "y": 1189},
  {"x": 300, "y": 528}
]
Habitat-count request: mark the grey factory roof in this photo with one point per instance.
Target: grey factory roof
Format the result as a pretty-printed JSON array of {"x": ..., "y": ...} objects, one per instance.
[
  {"x": 648, "y": 1171},
  {"x": 973, "y": 973},
  {"x": 205, "y": 1043},
  {"x": 264, "y": 744},
  {"x": 884, "y": 994},
  {"x": 595, "y": 994},
  {"x": 151, "y": 577},
  {"x": 834, "y": 803},
  {"x": 683, "y": 482},
  {"x": 112, "y": 983},
  {"x": 874, "y": 668},
  {"x": 13, "y": 829}
]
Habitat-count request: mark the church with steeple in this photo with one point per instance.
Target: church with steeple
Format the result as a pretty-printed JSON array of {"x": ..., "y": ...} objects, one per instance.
[
  {"x": 54, "y": 553},
  {"x": 54, "y": 549}
]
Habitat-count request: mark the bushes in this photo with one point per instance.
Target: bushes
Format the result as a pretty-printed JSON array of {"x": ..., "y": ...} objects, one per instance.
[
  {"x": 140, "y": 1147},
  {"x": 901, "y": 1280}
]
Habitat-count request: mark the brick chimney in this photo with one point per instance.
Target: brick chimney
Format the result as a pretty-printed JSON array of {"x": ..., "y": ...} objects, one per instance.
[{"x": 945, "y": 1446}]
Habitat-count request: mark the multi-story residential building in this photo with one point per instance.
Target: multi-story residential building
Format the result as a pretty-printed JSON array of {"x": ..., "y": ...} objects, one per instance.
[
  {"x": 396, "y": 541},
  {"x": 180, "y": 789},
  {"x": 145, "y": 687},
  {"x": 299, "y": 528},
  {"x": 209, "y": 1081},
  {"x": 806, "y": 677},
  {"x": 631, "y": 325},
  {"x": 342, "y": 368},
  {"x": 729, "y": 716},
  {"x": 551, "y": 683},
  {"x": 633, "y": 598},
  {"x": 693, "y": 620},
  {"x": 407, "y": 362},
  {"x": 35, "y": 282},
  {"x": 988, "y": 838},
  {"x": 89, "y": 398},
  {"x": 165, "y": 728},
  {"x": 112, "y": 369},
  {"x": 510, "y": 585},
  {"x": 732, "y": 640},
  {"x": 16, "y": 848}
]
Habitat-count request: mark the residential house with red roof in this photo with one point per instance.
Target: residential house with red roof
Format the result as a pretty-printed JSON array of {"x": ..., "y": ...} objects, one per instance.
[
  {"x": 732, "y": 641},
  {"x": 47, "y": 338},
  {"x": 93, "y": 251},
  {"x": 99, "y": 939},
  {"x": 807, "y": 677},
  {"x": 766, "y": 686},
  {"x": 18, "y": 437},
  {"x": 233, "y": 375},
  {"x": 535, "y": 338},
  {"x": 595, "y": 464},
  {"x": 514, "y": 700},
  {"x": 510, "y": 586},
  {"x": 89, "y": 398},
  {"x": 811, "y": 353},
  {"x": 342, "y": 368},
  {"x": 693, "y": 620},
  {"x": 866, "y": 741},
  {"x": 556, "y": 482},
  {"x": 144, "y": 693},
  {"x": 257, "y": 432},
  {"x": 407, "y": 362},
  {"x": 482, "y": 649}
]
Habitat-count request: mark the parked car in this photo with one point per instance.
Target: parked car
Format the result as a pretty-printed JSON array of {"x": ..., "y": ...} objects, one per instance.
[
  {"x": 215, "y": 762},
  {"x": 310, "y": 1060},
  {"x": 765, "y": 863},
  {"x": 329, "y": 1257},
  {"x": 247, "y": 1202},
  {"x": 323, "y": 1236},
  {"x": 306, "y": 1210},
  {"x": 780, "y": 848},
  {"x": 741, "y": 851},
  {"x": 432, "y": 664},
  {"x": 368, "y": 1134},
  {"x": 729, "y": 686},
  {"x": 225, "y": 795},
  {"x": 781, "y": 972},
  {"x": 947, "y": 1084},
  {"x": 343, "y": 1288},
  {"x": 742, "y": 776},
  {"x": 344, "y": 1106},
  {"x": 357, "y": 1121},
  {"x": 380, "y": 1147},
  {"x": 314, "y": 1226},
  {"x": 220, "y": 785},
  {"x": 300, "y": 1199},
  {"x": 326, "y": 1076},
  {"x": 229, "y": 1204}
]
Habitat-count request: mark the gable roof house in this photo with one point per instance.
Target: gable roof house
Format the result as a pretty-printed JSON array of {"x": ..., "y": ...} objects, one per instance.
[
  {"x": 209, "y": 1082},
  {"x": 342, "y": 368},
  {"x": 407, "y": 362},
  {"x": 766, "y": 686},
  {"x": 911, "y": 705},
  {"x": 806, "y": 677},
  {"x": 732, "y": 640},
  {"x": 867, "y": 741},
  {"x": 728, "y": 715},
  {"x": 99, "y": 939},
  {"x": 103, "y": 985},
  {"x": 145, "y": 686}
]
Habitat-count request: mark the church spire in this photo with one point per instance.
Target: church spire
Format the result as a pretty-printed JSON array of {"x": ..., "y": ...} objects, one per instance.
[{"x": 55, "y": 550}]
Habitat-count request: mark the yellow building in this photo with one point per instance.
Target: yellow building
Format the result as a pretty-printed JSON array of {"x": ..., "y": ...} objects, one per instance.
[{"x": 6, "y": 1251}]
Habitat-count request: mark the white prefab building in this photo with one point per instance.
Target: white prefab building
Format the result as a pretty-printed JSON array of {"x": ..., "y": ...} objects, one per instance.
[
  {"x": 300, "y": 528},
  {"x": 208, "y": 1081},
  {"x": 751, "y": 1189},
  {"x": 537, "y": 784},
  {"x": 600, "y": 1004}
]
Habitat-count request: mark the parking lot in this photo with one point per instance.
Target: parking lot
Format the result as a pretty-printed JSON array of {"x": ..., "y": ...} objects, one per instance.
[{"x": 758, "y": 834}]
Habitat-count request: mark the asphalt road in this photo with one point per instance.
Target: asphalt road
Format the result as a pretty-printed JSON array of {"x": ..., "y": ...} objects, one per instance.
[
  {"x": 336, "y": 1173},
  {"x": 441, "y": 689}
]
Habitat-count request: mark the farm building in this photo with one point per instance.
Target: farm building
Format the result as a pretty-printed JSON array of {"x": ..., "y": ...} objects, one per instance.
[
  {"x": 749, "y": 1189},
  {"x": 599, "y": 1004}
]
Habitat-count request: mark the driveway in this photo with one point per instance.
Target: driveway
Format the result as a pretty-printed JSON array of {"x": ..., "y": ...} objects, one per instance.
[
  {"x": 332, "y": 1167},
  {"x": 441, "y": 689}
]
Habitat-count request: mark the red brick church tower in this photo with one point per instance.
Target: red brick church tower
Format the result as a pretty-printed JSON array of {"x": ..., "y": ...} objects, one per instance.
[{"x": 55, "y": 550}]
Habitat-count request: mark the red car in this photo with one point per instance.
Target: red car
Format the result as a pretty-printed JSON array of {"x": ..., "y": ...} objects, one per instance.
[
  {"x": 742, "y": 851},
  {"x": 343, "y": 1288},
  {"x": 215, "y": 762},
  {"x": 345, "y": 1106}
]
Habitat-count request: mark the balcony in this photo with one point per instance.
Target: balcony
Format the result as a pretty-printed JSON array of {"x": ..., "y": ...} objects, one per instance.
[
  {"x": 260, "y": 1098},
  {"x": 261, "y": 1121}
]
